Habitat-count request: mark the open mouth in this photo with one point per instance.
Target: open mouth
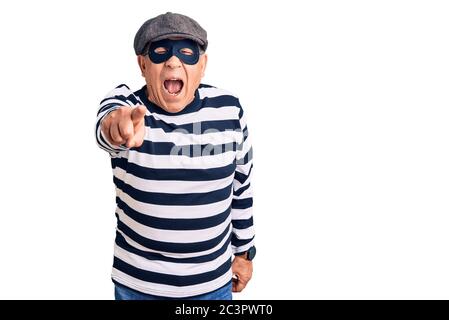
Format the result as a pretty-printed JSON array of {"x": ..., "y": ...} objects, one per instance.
[{"x": 173, "y": 86}]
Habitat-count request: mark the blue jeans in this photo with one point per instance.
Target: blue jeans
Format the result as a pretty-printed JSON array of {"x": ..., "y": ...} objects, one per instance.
[{"x": 125, "y": 293}]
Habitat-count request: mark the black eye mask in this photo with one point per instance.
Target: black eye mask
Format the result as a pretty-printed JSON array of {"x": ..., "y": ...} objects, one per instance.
[{"x": 174, "y": 48}]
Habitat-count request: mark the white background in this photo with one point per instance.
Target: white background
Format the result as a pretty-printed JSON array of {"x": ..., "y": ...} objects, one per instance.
[{"x": 348, "y": 109}]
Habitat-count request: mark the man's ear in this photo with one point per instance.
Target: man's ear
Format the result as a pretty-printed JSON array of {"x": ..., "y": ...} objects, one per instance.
[
  {"x": 142, "y": 65},
  {"x": 203, "y": 64}
]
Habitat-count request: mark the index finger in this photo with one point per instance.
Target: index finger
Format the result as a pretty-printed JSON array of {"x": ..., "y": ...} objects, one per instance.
[{"x": 138, "y": 113}]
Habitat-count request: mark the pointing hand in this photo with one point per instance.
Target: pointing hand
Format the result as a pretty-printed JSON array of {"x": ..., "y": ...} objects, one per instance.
[{"x": 125, "y": 126}]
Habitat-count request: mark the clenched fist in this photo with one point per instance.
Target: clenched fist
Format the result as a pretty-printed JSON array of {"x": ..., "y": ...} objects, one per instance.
[
  {"x": 125, "y": 126},
  {"x": 243, "y": 270}
]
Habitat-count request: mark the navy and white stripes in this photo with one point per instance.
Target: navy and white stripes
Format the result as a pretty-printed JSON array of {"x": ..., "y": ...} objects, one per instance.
[{"x": 184, "y": 199}]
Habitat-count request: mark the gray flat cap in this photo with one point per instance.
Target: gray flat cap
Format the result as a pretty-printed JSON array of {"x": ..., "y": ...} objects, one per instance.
[{"x": 169, "y": 25}]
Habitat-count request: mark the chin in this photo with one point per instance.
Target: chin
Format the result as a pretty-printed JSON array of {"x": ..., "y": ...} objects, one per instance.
[{"x": 174, "y": 107}]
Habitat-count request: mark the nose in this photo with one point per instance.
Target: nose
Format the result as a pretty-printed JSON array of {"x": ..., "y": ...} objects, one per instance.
[{"x": 173, "y": 62}]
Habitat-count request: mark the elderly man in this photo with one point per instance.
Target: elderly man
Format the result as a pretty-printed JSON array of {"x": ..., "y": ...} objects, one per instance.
[{"x": 182, "y": 162}]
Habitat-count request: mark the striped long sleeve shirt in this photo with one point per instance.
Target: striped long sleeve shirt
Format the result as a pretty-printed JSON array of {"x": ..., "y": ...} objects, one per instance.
[{"x": 184, "y": 197}]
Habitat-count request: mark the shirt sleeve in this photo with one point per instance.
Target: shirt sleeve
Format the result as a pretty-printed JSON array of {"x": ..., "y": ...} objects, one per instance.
[
  {"x": 116, "y": 98},
  {"x": 242, "y": 203}
]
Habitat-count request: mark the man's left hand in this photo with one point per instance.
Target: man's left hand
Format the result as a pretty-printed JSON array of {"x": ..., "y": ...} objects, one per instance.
[{"x": 243, "y": 269}]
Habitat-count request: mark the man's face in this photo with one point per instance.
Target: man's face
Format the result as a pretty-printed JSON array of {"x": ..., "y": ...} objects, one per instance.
[{"x": 171, "y": 84}]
